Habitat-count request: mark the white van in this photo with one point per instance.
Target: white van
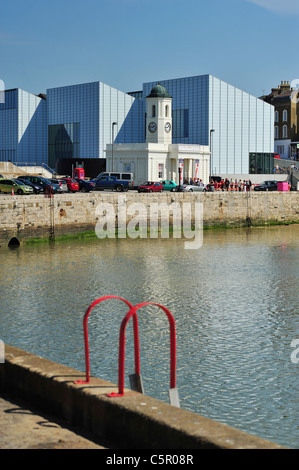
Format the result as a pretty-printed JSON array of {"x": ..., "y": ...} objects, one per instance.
[{"x": 120, "y": 176}]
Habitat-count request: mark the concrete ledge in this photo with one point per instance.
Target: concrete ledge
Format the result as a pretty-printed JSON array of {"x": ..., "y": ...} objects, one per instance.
[{"x": 133, "y": 421}]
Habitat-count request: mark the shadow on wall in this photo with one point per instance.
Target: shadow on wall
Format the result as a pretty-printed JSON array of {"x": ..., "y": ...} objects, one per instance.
[
  {"x": 133, "y": 129},
  {"x": 33, "y": 145}
]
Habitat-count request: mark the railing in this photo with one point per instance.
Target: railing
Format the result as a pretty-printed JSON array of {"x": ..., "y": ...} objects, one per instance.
[
  {"x": 135, "y": 379},
  {"x": 33, "y": 164},
  {"x": 85, "y": 328}
]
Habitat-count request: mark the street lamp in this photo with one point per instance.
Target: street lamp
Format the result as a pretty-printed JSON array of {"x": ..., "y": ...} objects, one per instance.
[
  {"x": 113, "y": 124},
  {"x": 212, "y": 130}
]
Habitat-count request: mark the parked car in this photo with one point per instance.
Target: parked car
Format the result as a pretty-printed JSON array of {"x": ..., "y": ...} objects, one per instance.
[
  {"x": 124, "y": 178},
  {"x": 72, "y": 184},
  {"x": 18, "y": 187},
  {"x": 62, "y": 184},
  {"x": 168, "y": 185},
  {"x": 111, "y": 183},
  {"x": 85, "y": 186},
  {"x": 150, "y": 187},
  {"x": 266, "y": 186},
  {"x": 40, "y": 180},
  {"x": 191, "y": 187},
  {"x": 37, "y": 188}
]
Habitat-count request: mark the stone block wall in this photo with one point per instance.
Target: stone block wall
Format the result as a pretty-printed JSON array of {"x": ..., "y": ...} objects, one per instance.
[{"x": 25, "y": 217}]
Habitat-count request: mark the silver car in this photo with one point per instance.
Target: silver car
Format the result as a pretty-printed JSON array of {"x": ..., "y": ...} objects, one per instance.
[
  {"x": 62, "y": 185},
  {"x": 192, "y": 187}
]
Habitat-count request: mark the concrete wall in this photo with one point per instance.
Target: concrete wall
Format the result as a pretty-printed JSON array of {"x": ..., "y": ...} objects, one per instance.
[
  {"x": 30, "y": 216},
  {"x": 133, "y": 421}
]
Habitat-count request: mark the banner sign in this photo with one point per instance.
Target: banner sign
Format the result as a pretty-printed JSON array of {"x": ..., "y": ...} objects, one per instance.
[
  {"x": 181, "y": 166},
  {"x": 196, "y": 169}
]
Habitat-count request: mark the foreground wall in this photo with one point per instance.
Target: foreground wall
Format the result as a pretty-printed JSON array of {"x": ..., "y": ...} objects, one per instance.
[
  {"x": 133, "y": 421},
  {"x": 25, "y": 217}
]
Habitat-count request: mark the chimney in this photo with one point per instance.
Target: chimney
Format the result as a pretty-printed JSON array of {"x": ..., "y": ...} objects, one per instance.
[{"x": 284, "y": 86}]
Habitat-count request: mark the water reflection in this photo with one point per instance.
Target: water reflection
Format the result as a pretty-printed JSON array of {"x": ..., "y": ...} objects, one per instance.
[{"x": 235, "y": 302}]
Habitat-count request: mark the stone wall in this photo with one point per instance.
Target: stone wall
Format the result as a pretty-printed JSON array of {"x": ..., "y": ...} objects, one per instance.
[{"x": 25, "y": 217}]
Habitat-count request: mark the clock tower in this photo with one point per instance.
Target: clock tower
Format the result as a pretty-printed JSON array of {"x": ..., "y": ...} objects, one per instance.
[{"x": 159, "y": 116}]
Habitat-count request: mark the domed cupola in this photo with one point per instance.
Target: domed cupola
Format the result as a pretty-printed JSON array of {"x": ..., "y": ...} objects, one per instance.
[
  {"x": 159, "y": 116},
  {"x": 159, "y": 91}
]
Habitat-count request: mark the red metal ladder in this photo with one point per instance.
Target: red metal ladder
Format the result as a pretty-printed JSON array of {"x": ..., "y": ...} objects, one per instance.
[
  {"x": 135, "y": 379},
  {"x": 173, "y": 392}
]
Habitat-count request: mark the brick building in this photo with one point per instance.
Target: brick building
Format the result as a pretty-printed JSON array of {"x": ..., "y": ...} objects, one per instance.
[{"x": 286, "y": 119}]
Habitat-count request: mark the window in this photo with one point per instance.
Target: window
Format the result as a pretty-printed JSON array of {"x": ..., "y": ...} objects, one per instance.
[
  {"x": 276, "y": 116},
  {"x": 276, "y": 132},
  {"x": 166, "y": 110},
  {"x": 285, "y": 115},
  {"x": 160, "y": 170},
  {"x": 261, "y": 163},
  {"x": 153, "y": 111},
  {"x": 127, "y": 167},
  {"x": 285, "y": 132}
]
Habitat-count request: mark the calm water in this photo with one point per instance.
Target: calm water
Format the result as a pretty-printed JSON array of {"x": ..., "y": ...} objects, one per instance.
[{"x": 235, "y": 302}]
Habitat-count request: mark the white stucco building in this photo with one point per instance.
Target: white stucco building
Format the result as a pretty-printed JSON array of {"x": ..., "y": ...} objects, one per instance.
[{"x": 158, "y": 158}]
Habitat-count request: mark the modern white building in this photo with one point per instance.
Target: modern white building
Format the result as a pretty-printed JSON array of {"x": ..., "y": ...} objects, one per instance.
[
  {"x": 80, "y": 122},
  {"x": 238, "y": 127},
  {"x": 23, "y": 128},
  {"x": 75, "y": 125},
  {"x": 158, "y": 158}
]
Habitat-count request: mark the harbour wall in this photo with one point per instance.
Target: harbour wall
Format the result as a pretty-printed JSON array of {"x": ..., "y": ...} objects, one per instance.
[
  {"x": 132, "y": 421},
  {"x": 36, "y": 216}
]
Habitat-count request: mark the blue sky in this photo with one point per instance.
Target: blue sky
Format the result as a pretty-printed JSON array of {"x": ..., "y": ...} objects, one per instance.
[{"x": 251, "y": 44}]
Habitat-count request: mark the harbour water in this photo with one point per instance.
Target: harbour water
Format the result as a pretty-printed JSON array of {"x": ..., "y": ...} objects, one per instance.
[{"x": 235, "y": 302}]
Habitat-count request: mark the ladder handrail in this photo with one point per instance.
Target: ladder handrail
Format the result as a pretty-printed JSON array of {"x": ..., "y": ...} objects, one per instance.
[
  {"x": 135, "y": 329},
  {"x": 121, "y": 369}
]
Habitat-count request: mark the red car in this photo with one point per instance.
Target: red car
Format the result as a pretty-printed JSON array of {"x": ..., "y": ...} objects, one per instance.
[
  {"x": 72, "y": 184},
  {"x": 150, "y": 187}
]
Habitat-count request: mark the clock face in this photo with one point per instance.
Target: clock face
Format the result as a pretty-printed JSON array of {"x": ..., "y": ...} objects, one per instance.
[
  {"x": 152, "y": 127},
  {"x": 167, "y": 127}
]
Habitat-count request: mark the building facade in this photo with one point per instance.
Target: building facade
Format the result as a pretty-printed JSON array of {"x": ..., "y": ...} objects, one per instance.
[
  {"x": 286, "y": 119},
  {"x": 81, "y": 118},
  {"x": 238, "y": 127},
  {"x": 74, "y": 124},
  {"x": 159, "y": 158},
  {"x": 23, "y": 128}
]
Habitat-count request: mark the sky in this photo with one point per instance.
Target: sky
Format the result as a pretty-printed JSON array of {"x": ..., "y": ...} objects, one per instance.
[{"x": 251, "y": 44}]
